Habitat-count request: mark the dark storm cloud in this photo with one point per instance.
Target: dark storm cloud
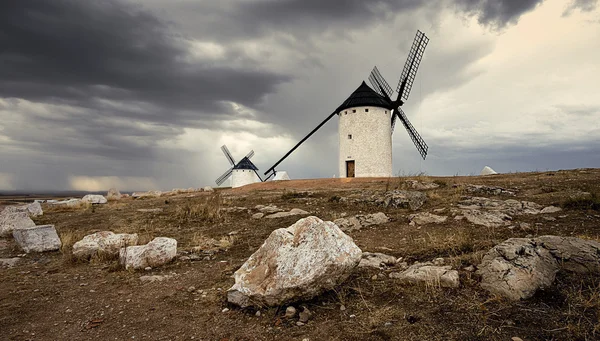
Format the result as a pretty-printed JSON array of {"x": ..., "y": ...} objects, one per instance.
[{"x": 79, "y": 50}]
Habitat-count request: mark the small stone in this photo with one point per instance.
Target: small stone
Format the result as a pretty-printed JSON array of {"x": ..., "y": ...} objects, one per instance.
[
  {"x": 258, "y": 215},
  {"x": 191, "y": 289},
  {"x": 257, "y": 314},
  {"x": 469, "y": 268},
  {"x": 374, "y": 278},
  {"x": 225, "y": 310},
  {"x": 387, "y": 324},
  {"x": 342, "y": 307},
  {"x": 299, "y": 324},
  {"x": 352, "y": 316},
  {"x": 516, "y": 338},
  {"x": 290, "y": 312},
  {"x": 147, "y": 268},
  {"x": 304, "y": 315}
]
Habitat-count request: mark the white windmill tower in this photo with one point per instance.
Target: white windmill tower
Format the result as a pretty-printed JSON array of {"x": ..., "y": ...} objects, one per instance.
[
  {"x": 367, "y": 120},
  {"x": 242, "y": 173}
]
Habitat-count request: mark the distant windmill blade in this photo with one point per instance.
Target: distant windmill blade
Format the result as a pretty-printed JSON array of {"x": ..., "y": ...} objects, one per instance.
[
  {"x": 250, "y": 155},
  {"x": 224, "y": 177},
  {"x": 411, "y": 66},
  {"x": 414, "y": 135},
  {"x": 380, "y": 85},
  {"x": 393, "y": 120},
  {"x": 228, "y": 155}
]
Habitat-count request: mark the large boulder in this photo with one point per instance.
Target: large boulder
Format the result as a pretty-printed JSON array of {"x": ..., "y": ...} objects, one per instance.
[
  {"x": 159, "y": 251},
  {"x": 34, "y": 209},
  {"x": 295, "y": 263},
  {"x": 429, "y": 274},
  {"x": 487, "y": 218},
  {"x": 362, "y": 220},
  {"x": 518, "y": 267},
  {"x": 103, "y": 243},
  {"x": 40, "y": 238},
  {"x": 10, "y": 220},
  {"x": 94, "y": 199},
  {"x": 113, "y": 194}
]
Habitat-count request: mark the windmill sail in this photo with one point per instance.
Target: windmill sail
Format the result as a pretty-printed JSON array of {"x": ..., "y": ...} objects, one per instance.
[
  {"x": 411, "y": 66},
  {"x": 250, "y": 154},
  {"x": 393, "y": 121},
  {"x": 379, "y": 84},
  {"x": 228, "y": 155},
  {"x": 224, "y": 177},
  {"x": 414, "y": 135}
]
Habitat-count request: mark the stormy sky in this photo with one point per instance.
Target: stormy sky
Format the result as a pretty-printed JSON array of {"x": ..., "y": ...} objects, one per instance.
[{"x": 140, "y": 94}]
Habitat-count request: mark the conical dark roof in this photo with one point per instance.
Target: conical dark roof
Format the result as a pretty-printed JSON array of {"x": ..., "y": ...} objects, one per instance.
[
  {"x": 364, "y": 96},
  {"x": 245, "y": 163}
]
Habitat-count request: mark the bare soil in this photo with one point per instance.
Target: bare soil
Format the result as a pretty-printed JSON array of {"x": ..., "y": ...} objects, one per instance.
[{"x": 52, "y": 297}]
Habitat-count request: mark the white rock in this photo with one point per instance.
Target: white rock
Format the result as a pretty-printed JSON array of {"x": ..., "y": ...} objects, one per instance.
[
  {"x": 295, "y": 263},
  {"x": 66, "y": 203},
  {"x": 294, "y": 211},
  {"x": 414, "y": 184},
  {"x": 429, "y": 274},
  {"x": 34, "y": 209},
  {"x": 487, "y": 171},
  {"x": 550, "y": 209},
  {"x": 9, "y": 262},
  {"x": 376, "y": 260},
  {"x": 362, "y": 220},
  {"x": 257, "y": 215},
  {"x": 104, "y": 243},
  {"x": 37, "y": 238},
  {"x": 149, "y": 194},
  {"x": 159, "y": 251},
  {"x": 487, "y": 218},
  {"x": 425, "y": 218},
  {"x": 10, "y": 220},
  {"x": 94, "y": 199},
  {"x": 113, "y": 194},
  {"x": 208, "y": 189},
  {"x": 281, "y": 175},
  {"x": 150, "y": 210},
  {"x": 154, "y": 278},
  {"x": 268, "y": 209}
]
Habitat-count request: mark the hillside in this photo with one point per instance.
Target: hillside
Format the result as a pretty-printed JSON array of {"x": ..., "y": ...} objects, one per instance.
[{"x": 51, "y": 296}]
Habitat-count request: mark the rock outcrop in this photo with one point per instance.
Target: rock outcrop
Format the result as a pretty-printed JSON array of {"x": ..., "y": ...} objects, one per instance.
[
  {"x": 362, "y": 220},
  {"x": 103, "y": 243},
  {"x": 159, "y": 251},
  {"x": 518, "y": 267},
  {"x": 376, "y": 260},
  {"x": 295, "y": 263},
  {"x": 429, "y": 274},
  {"x": 425, "y": 218},
  {"x": 414, "y": 184},
  {"x": 292, "y": 212},
  {"x": 39, "y": 238},
  {"x": 401, "y": 199}
]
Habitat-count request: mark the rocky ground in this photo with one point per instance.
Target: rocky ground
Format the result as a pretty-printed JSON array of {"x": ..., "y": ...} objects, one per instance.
[{"x": 450, "y": 222}]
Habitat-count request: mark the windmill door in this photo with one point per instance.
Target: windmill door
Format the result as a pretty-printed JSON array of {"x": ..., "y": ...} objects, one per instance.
[{"x": 349, "y": 169}]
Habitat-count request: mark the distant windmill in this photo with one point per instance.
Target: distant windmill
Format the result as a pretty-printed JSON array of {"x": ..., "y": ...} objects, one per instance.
[
  {"x": 241, "y": 173},
  {"x": 367, "y": 120}
]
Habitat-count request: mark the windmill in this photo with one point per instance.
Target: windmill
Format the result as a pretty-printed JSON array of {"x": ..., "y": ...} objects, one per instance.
[
  {"x": 367, "y": 120},
  {"x": 241, "y": 173}
]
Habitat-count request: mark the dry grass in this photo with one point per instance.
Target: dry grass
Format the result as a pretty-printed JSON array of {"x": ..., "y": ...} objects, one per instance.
[
  {"x": 201, "y": 243},
  {"x": 208, "y": 211},
  {"x": 68, "y": 238}
]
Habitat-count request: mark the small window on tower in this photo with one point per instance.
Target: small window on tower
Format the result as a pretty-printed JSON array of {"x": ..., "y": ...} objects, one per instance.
[
  {"x": 349, "y": 136},
  {"x": 354, "y": 110},
  {"x": 366, "y": 110},
  {"x": 346, "y": 112}
]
